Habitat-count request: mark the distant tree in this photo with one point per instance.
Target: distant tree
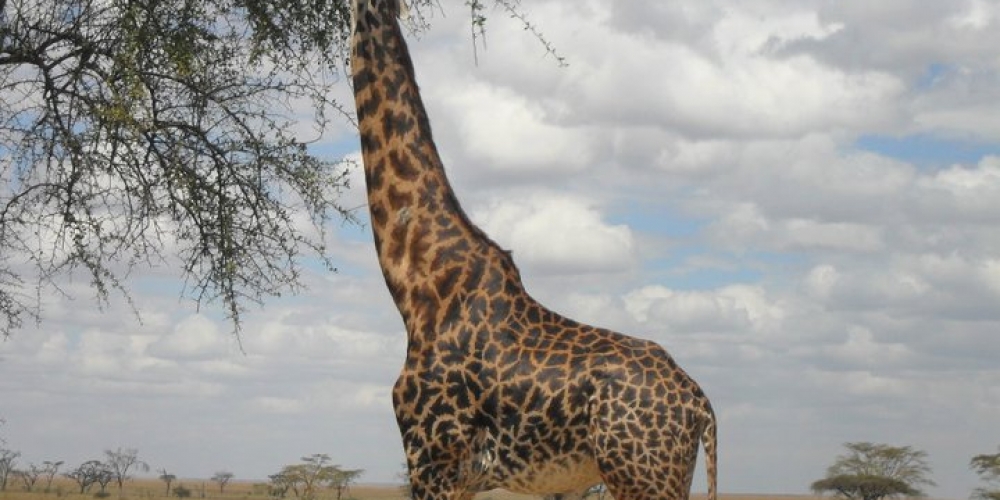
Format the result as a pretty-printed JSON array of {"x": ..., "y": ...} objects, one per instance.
[
  {"x": 988, "y": 469},
  {"x": 104, "y": 477},
  {"x": 223, "y": 478},
  {"x": 8, "y": 460},
  {"x": 304, "y": 479},
  {"x": 260, "y": 489},
  {"x": 406, "y": 488},
  {"x": 50, "y": 469},
  {"x": 342, "y": 479},
  {"x": 87, "y": 474},
  {"x": 168, "y": 478},
  {"x": 121, "y": 461},
  {"x": 873, "y": 471},
  {"x": 30, "y": 476},
  {"x": 182, "y": 492},
  {"x": 865, "y": 487},
  {"x": 279, "y": 485}
]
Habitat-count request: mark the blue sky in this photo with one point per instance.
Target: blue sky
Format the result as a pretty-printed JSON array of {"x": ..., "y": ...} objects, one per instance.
[
  {"x": 928, "y": 150},
  {"x": 798, "y": 199}
]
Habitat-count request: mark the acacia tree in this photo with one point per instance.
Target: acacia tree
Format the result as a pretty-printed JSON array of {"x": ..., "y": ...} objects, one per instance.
[
  {"x": 279, "y": 485},
  {"x": 50, "y": 468},
  {"x": 90, "y": 472},
  {"x": 168, "y": 478},
  {"x": 8, "y": 459},
  {"x": 315, "y": 471},
  {"x": 342, "y": 479},
  {"x": 873, "y": 471},
  {"x": 145, "y": 132},
  {"x": 988, "y": 469},
  {"x": 223, "y": 478},
  {"x": 120, "y": 462},
  {"x": 104, "y": 477},
  {"x": 30, "y": 476}
]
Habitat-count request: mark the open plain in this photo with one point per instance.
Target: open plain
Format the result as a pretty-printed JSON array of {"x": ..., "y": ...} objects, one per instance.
[{"x": 151, "y": 488}]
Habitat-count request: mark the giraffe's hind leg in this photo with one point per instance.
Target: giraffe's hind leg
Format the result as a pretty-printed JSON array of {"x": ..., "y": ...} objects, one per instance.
[{"x": 642, "y": 452}]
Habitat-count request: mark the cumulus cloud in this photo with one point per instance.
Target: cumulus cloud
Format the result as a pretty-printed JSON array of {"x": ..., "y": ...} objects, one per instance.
[
  {"x": 862, "y": 348},
  {"x": 269, "y": 404},
  {"x": 723, "y": 79},
  {"x": 747, "y": 226},
  {"x": 286, "y": 336},
  {"x": 736, "y": 308},
  {"x": 965, "y": 194},
  {"x": 193, "y": 337},
  {"x": 552, "y": 233},
  {"x": 506, "y": 132}
]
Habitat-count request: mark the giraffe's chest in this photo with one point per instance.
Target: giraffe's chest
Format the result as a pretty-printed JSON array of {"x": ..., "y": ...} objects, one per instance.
[{"x": 524, "y": 420}]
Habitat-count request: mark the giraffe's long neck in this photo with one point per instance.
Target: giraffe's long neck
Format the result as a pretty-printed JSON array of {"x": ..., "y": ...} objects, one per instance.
[{"x": 425, "y": 242}]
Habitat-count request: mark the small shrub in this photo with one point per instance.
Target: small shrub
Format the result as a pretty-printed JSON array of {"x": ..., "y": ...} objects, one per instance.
[{"x": 182, "y": 492}]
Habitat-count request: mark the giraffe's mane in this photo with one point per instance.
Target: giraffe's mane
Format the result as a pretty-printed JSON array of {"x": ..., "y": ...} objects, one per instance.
[{"x": 402, "y": 10}]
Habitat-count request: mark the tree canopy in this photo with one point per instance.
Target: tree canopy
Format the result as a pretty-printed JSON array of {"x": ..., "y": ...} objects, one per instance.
[
  {"x": 314, "y": 472},
  {"x": 873, "y": 471},
  {"x": 91, "y": 472},
  {"x": 121, "y": 462},
  {"x": 987, "y": 467},
  {"x": 140, "y": 133}
]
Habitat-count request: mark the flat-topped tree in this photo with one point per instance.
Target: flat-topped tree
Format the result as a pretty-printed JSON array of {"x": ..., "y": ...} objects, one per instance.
[
  {"x": 872, "y": 471},
  {"x": 222, "y": 478}
]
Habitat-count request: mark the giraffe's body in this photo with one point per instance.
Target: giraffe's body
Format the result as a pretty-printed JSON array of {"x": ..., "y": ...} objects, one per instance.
[{"x": 497, "y": 390}]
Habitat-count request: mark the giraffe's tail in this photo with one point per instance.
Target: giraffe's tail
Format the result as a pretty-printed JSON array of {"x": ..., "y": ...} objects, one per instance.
[{"x": 709, "y": 440}]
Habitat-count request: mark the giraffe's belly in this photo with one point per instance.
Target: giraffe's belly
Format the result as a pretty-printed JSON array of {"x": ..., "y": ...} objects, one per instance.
[
  {"x": 522, "y": 460},
  {"x": 567, "y": 474}
]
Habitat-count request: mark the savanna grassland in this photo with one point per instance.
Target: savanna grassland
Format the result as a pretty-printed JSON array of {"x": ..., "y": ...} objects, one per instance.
[{"x": 203, "y": 489}]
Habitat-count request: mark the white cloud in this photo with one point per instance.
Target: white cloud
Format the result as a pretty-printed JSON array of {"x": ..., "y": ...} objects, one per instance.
[
  {"x": 737, "y": 308},
  {"x": 504, "y": 131},
  {"x": 862, "y": 349},
  {"x": 991, "y": 274},
  {"x": 194, "y": 337},
  {"x": 862, "y": 383},
  {"x": 269, "y": 404},
  {"x": 305, "y": 333},
  {"x": 962, "y": 193},
  {"x": 977, "y": 15},
  {"x": 557, "y": 234},
  {"x": 722, "y": 79}
]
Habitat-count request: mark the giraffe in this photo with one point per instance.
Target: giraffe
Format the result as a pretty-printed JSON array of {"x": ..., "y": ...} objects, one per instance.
[{"x": 496, "y": 390}]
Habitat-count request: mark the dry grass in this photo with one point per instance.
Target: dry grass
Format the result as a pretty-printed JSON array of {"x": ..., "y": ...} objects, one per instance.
[{"x": 140, "y": 489}]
